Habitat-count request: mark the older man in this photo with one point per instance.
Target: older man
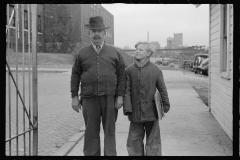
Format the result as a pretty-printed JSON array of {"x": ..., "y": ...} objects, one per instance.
[{"x": 100, "y": 68}]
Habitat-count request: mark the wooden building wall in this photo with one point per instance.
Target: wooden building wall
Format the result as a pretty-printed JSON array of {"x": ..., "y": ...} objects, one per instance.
[{"x": 220, "y": 89}]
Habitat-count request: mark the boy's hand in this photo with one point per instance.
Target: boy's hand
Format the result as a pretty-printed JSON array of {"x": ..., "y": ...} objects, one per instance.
[{"x": 118, "y": 102}]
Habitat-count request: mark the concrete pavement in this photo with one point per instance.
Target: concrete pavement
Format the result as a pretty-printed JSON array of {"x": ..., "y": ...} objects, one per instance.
[{"x": 188, "y": 129}]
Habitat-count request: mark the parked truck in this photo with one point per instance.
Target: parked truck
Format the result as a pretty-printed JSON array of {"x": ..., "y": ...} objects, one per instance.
[{"x": 200, "y": 65}]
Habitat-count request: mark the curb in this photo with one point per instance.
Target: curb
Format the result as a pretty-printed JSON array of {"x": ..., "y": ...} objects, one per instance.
[
  {"x": 41, "y": 70},
  {"x": 71, "y": 143}
]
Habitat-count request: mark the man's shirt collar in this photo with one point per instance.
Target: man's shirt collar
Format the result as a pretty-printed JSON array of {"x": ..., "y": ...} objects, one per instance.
[{"x": 94, "y": 46}]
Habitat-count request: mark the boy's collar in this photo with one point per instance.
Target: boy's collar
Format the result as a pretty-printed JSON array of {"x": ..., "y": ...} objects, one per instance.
[{"x": 143, "y": 63}]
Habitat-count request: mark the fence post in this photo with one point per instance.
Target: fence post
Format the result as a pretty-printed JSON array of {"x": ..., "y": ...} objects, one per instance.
[{"x": 34, "y": 79}]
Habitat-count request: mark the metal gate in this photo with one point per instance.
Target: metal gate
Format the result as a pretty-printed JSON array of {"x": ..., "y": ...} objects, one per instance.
[{"x": 21, "y": 80}]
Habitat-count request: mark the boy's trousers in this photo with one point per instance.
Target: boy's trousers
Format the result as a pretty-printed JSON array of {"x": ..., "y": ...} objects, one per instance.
[
  {"x": 95, "y": 110},
  {"x": 136, "y": 135}
]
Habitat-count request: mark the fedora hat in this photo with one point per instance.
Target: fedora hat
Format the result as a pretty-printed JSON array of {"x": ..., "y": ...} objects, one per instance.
[{"x": 96, "y": 23}]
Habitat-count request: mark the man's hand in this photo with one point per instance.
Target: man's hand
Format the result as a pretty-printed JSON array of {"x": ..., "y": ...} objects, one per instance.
[
  {"x": 118, "y": 102},
  {"x": 76, "y": 103}
]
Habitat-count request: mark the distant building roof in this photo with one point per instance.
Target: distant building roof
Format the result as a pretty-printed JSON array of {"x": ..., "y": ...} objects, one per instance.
[{"x": 197, "y": 5}]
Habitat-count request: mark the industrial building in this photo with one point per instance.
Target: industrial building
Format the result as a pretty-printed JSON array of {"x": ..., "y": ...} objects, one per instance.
[
  {"x": 178, "y": 40},
  {"x": 17, "y": 23},
  {"x": 175, "y": 42},
  {"x": 62, "y": 25}
]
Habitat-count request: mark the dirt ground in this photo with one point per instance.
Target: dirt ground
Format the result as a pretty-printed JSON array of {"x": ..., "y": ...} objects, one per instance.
[{"x": 203, "y": 93}]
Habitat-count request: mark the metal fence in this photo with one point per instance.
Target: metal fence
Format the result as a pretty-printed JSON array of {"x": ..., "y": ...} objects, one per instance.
[{"x": 21, "y": 81}]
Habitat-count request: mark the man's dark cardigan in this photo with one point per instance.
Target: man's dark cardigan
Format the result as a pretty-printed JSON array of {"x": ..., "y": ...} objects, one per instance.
[{"x": 100, "y": 74}]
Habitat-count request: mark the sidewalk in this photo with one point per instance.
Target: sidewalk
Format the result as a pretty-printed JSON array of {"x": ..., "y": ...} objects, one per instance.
[{"x": 188, "y": 129}]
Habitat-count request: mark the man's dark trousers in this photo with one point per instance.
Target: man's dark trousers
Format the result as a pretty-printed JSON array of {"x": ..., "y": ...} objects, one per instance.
[{"x": 95, "y": 110}]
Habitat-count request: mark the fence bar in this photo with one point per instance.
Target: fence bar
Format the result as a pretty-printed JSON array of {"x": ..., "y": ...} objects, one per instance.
[
  {"x": 29, "y": 76},
  {"x": 19, "y": 134},
  {"x": 23, "y": 71},
  {"x": 18, "y": 13},
  {"x": 9, "y": 82},
  {"x": 34, "y": 77},
  {"x": 18, "y": 92},
  {"x": 31, "y": 41},
  {"x": 16, "y": 51}
]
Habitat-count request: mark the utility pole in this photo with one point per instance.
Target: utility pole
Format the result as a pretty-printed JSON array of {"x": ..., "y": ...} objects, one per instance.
[
  {"x": 44, "y": 33},
  {"x": 148, "y": 36}
]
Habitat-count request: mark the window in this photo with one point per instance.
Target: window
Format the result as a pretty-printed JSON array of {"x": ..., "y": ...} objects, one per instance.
[
  {"x": 224, "y": 39},
  {"x": 25, "y": 19},
  {"x": 39, "y": 24},
  {"x": 11, "y": 9}
]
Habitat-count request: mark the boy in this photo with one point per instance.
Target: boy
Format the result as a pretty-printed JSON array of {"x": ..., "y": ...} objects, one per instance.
[{"x": 143, "y": 77}]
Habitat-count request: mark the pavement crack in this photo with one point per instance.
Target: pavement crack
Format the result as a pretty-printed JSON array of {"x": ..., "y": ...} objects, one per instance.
[{"x": 220, "y": 145}]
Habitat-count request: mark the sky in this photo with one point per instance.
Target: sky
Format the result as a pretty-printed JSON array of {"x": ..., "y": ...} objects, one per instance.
[{"x": 133, "y": 22}]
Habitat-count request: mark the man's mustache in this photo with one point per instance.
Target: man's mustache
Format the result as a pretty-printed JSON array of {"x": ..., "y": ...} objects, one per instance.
[{"x": 96, "y": 37}]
